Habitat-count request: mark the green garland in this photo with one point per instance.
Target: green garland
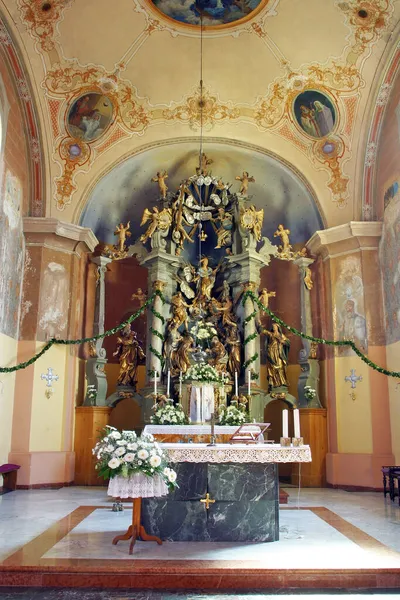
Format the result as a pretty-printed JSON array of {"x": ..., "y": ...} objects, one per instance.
[
  {"x": 250, "y": 337},
  {"x": 250, "y": 317},
  {"x": 157, "y": 333},
  {"x": 93, "y": 338},
  {"x": 251, "y": 360},
  {"x": 158, "y": 354},
  {"x": 311, "y": 338}
]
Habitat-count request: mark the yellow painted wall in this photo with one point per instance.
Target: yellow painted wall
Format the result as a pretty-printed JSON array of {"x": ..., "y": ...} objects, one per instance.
[
  {"x": 393, "y": 362},
  {"x": 48, "y": 413},
  {"x": 353, "y": 417},
  {"x": 8, "y": 352}
]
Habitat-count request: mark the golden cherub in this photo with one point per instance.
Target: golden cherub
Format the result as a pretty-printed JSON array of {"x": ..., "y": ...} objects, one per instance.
[
  {"x": 308, "y": 282},
  {"x": 283, "y": 233},
  {"x": 140, "y": 295},
  {"x": 122, "y": 233},
  {"x": 264, "y": 296},
  {"x": 162, "y": 186},
  {"x": 245, "y": 179}
]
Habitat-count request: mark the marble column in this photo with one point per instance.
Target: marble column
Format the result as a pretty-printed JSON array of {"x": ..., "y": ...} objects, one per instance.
[
  {"x": 162, "y": 267},
  {"x": 309, "y": 365},
  {"x": 95, "y": 372}
]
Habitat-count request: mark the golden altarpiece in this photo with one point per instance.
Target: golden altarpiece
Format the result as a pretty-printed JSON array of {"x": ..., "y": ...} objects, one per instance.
[{"x": 203, "y": 248}]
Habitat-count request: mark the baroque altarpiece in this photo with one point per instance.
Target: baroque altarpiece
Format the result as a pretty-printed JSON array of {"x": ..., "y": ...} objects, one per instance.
[{"x": 203, "y": 248}]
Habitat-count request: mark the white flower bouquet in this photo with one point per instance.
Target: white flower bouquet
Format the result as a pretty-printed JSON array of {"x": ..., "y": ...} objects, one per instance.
[
  {"x": 202, "y": 372},
  {"x": 124, "y": 453},
  {"x": 233, "y": 414},
  {"x": 203, "y": 330},
  {"x": 169, "y": 414},
  {"x": 309, "y": 392}
]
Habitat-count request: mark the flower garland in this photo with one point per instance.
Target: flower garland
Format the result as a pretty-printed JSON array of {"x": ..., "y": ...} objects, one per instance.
[
  {"x": 93, "y": 338},
  {"x": 125, "y": 454},
  {"x": 311, "y": 338}
]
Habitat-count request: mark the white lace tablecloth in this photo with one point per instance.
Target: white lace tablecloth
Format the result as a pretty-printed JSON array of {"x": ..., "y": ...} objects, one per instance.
[
  {"x": 189, "y": 429},
  {"x": 137, "y": 486},
  {"x": 236, "y": 453}
]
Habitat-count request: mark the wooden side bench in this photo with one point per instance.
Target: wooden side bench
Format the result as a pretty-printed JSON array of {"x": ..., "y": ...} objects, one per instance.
[{"x": 9, "y": 473}]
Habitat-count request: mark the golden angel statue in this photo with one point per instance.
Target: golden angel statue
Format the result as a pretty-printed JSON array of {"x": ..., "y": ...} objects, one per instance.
[
  {"x": 179, "y": 310},
  {"x": 160, "y": 220},
  {"x": 205, "y": 279},
  {"x": 162, "y": 186},
  {"x": 122, "y": 233},
  {"x": 179, "y": 234},
  {"x": 283, "y": 233},
  {"x": 204, "y": 163},
  {"x": 245, "y": 179},
  {"x": 252, "y": 220},
  {"x": 129, "y": 352},
  {"x": 224, "y": 231}
]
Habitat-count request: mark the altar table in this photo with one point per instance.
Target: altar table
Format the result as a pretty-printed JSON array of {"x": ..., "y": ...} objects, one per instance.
[
  {"x": 227, "y": 493},
  {"x": 190, "y": 433}
]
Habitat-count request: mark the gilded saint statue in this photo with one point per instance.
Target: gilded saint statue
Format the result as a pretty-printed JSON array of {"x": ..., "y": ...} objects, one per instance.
[
  {"x": 140, "y": 296},
  {"x": 285, "y": 247},
  {"x": 171, "y": 344},
  {"x": 234, "y": 345},
  {"x": 205, "y": 279},
  {"x": 277, "y": 346},
  {"x": 129, "y": 352},
  {"x": 252, "y": 220},
  {"x": 308, "y": 282},
  {"x": 179, "y": 233},
  {"x": 203, "y": 169},
  {"x": 182, "y": 355},
  {"x": 219, "y": 355},
  {"x": 122, "y": 232},
  {"x": 162, "y": 186},
  {"x": 245, "y": 179},
  {"x": 179, "y": 310},
  {"x": 264, "y": 297},
  {"x": 224, "y": 231}
]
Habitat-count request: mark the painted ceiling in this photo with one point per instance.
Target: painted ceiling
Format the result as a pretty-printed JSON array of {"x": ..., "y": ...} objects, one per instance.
[{"x": 299, "y": 79}]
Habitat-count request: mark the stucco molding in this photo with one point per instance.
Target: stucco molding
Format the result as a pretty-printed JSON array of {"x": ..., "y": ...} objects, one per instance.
[
  {"x": 349, "y": 237},
  {"x": 40, "y": 225}
]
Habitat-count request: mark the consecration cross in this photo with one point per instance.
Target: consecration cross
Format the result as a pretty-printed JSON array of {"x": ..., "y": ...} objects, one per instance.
[
  {"x": 353, "y": 378},
  {"x": 49, "y": 377},
  {"x": 207, "y": 501}
]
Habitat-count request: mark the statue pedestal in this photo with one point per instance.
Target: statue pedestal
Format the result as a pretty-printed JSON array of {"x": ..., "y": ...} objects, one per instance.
[{"x": 95, "y": 375}]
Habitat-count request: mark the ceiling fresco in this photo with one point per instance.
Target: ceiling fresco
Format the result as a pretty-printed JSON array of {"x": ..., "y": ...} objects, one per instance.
[
  {"x": 209, "y": 13},
  {"x": 104, "y": 91}
]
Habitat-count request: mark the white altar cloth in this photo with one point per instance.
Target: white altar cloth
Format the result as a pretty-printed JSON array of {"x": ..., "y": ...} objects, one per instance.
[
  {"x": 201, "y": 403},
  {"x": 237, "y": 453},
  {"x": 190, "y": 429}
]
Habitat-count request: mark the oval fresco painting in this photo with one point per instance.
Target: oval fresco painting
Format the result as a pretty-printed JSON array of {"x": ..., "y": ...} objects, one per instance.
[
  {"x": 89, "y": 116},
  {"x": 315, "y": 113},
  {"x": 212, "y": 13}
]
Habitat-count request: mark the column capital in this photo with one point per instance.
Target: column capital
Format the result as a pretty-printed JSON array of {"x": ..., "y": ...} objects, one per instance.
[
  {"x": 303, "y": 261},
  {"x": 100, "y": 261},
  {"x": 44, "y": 231},
  {"x": 346, "y": 238}
]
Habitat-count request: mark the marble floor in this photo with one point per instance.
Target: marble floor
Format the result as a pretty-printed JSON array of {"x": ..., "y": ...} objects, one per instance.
[{"x": 328, "y": 538}]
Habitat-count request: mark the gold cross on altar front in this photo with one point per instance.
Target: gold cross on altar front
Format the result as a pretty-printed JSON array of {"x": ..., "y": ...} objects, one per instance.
[{"x": 207, "y": 501}]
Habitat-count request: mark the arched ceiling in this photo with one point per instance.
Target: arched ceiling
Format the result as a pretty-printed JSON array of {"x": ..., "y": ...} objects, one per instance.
[
  {"x": 126, "y": 190},
  {"x": 262, "y": 62}
]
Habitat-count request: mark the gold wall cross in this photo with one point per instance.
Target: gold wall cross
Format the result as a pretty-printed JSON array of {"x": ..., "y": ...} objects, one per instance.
[{"x": 207, "y": 501}]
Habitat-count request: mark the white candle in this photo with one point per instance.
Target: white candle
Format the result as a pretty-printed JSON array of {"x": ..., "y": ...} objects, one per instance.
[
  {"x": 296, "y": 419},
  {"x": 180, "y": 383},
  {"x": 236, "y": 383},
  {"x": 248, "y": 382},
  {"x": 168, "y": 382},
  {"x": 155, "y": 383},
  {"x": 285, "y": 423}
]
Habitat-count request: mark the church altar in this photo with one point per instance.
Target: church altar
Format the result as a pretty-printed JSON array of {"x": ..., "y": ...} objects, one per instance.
[{"x": 226, "y": 493}]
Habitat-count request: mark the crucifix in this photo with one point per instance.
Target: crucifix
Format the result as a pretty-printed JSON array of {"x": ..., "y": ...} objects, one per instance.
[
  {"x": 207, "y": 501},
  {"x": 49, "y": 377}
]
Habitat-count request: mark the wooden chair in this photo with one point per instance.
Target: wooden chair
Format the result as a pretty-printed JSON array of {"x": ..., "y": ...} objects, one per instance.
[{"x": 389, "y": 475}]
